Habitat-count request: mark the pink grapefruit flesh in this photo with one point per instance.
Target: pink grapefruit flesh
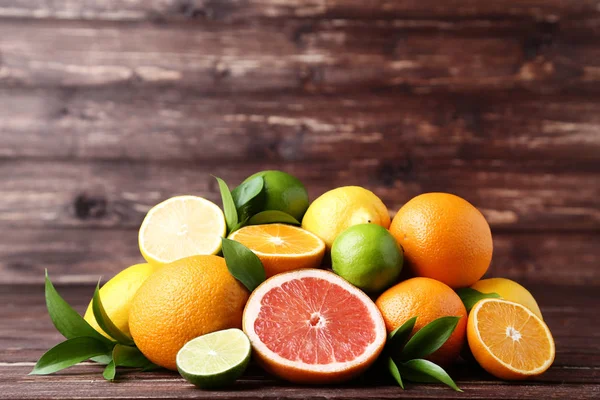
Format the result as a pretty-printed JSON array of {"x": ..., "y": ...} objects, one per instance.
[{"x": 311, "y": 326}]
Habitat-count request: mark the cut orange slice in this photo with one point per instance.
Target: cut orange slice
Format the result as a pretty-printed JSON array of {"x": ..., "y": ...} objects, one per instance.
[
  {"x": 508, "y": 340},
  {"x": 282, "y": 247},
  {"x": 312, "y": 326}
]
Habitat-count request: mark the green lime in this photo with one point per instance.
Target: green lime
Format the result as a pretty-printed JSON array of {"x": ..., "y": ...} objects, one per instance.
[
  {"x": 367, "y": 256},
  {"x": 214, "y": 360},
  {"x": 282, "y": 192}
]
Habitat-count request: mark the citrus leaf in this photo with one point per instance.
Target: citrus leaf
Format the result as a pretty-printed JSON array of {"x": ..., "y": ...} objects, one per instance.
[
  {"x": 104, "y": 321},
  {"x": 393, "y": 369},
  {"x": 429, "y": 338},
  {"x": 271, "y": 217},
  {"x": 151, "y": 367},
  {"x": 470, "y": 297},
  {"x": 399, "y": 336},
  {"x": 129, "y": 356},
  {"x": 419, "y": 370},
  {"x": 231, "y": 216},
  {"x": 239, "y": 225},
  {"x": 103, "y": 359},
  {"x": 110, "y": 371},
  {"x": 124, "y": 356},
  {"x": 69, "y": 353},
  {"x": 243, "y": 264},
  {"x": 247, "y": 191},
  {"x": 66, "y": 320}
]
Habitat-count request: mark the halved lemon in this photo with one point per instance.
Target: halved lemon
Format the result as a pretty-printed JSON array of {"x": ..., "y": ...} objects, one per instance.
[
  {"x": 508, "y": 340},
  {"x": 282, "y": 247},
  {"x": 180, "y": 227}
]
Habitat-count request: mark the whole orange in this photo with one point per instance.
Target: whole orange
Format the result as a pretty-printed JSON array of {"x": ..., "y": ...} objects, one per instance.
[
  {"x": 181, "y": 301},
  {"x": 428, "y": 300},
  {"x": 444, "y": 237}
]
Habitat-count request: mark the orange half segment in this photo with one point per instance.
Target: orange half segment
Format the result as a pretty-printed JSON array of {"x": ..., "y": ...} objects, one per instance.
[
  {"x": 508, "y": 340},
  {"x": 282, "y": 247}
]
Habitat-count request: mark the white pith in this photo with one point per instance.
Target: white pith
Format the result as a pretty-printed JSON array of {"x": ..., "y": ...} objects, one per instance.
[
  {"x": 535, "y": 371},
  {"x": 253, "y": 309},
  {"x": 285, "y": 255}
]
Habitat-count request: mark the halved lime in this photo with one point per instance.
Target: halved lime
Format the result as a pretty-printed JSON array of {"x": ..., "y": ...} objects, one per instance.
[{"x": 214, "y": 360}]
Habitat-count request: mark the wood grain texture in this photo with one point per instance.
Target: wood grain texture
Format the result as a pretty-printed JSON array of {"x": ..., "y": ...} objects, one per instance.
[
  {"x": 118, "y": 194},
  {"x": 294, "y": 55},
  {"x": 550, "y": 10},
  {"x": 503, "y": 132},
  {"x": 83, "y": 255},
  {"x": 575, "y": 373}
]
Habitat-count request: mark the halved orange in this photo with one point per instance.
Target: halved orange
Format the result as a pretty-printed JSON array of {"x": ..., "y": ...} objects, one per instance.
[
  {"x": 508, "y": 340},
  {"x": 282, "y": 247}
]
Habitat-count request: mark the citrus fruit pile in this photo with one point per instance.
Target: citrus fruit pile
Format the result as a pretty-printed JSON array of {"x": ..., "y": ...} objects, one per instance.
[{"x": 315, "y": 293}]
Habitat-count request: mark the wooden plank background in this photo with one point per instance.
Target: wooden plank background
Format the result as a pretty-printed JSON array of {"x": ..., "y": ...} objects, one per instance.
[{"x": 108, "y": 107}]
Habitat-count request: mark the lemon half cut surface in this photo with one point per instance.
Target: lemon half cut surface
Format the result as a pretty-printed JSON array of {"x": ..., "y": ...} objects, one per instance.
[{"x": 180, "y": 227}]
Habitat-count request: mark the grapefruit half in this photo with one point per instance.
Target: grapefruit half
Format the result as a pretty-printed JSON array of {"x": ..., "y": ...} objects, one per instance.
[{"x": 311, "y": 326}]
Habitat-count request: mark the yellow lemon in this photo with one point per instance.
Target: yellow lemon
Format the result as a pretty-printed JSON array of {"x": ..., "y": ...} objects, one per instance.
[
  {"x": 509, "y": 290},
  {"x": 335, "y": 211},
  {"x": 180, "y": 227},
  {"x": 117, "y": 294}
]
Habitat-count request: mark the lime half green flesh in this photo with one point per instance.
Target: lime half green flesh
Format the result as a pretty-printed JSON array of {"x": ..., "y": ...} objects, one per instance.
[{"x": 214, "y": 360}]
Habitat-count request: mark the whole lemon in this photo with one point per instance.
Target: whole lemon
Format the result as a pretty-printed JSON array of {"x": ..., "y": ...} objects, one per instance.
[
  {"x": 116, "y": 296},
  {"x": 181, "y": 301},
  {"x": 337, "y": 210},
  {"x": 367, "y": 256},
  {"x": 509, "y": 290},
  {"x": 444, "y": 237},
  {"x": 282, "y": 192}
]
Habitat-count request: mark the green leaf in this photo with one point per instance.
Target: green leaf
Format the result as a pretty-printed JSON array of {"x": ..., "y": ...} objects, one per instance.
[
  {"x": 429, "y": 338},
  {"x": 110, "y": 371},
  {"x": 231, "y": 216},
  {"x": 104, "y": 321},
  {"x": 103, "y": 359},
  {"x": 393, "y": 369},
  {"x": 243, "y": 264},
  {"x": 470, "y": 297},
  {"x": 419, "y": 370},
  {"x": 239, "y": 225},
  {"x": 247, "y": 191},
  {"x": 69, "y": 353},
  {"x": 399, "y": 336},
  {"x": 151, "y": 367},
  {"x": 124, "y": 356},
  {"x": 66, "y": 320},
  {"x": 271, "y": 217},
  {"x": 129, "y": 356}
]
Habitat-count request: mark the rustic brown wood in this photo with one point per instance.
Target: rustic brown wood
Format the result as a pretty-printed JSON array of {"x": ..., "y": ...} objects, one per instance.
[
  {"x": 565, "y": 308},
  {"x": 83, "y": 255},
  {"x": 323, "y": 56},
  {"x": 550, "y": 10},
  {"x": 512, "y": 131},
  {"x": 118, "y": 194},
  {"x": 107, "y": 107}
]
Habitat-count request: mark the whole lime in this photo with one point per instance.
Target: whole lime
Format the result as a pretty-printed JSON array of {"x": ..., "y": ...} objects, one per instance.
[
  {"x": 367, "y": 256},
  {"x": 283, "y": 192}
]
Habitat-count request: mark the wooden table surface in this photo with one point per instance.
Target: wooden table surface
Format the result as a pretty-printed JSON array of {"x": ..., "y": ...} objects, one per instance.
[
  {"x": 108, "y": 107},
  {"x": 26, "y": 332}
]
